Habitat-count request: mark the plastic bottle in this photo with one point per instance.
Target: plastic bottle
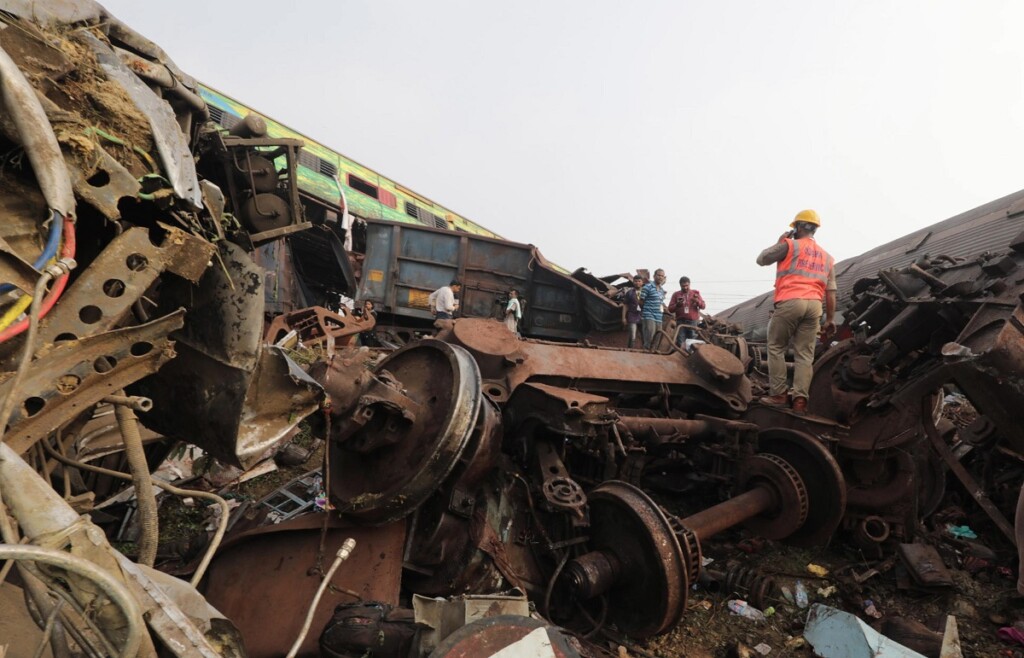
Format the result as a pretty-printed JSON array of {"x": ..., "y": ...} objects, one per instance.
[
  {"x": 743, "y": 609},
  {"x": 801, "y": 594}
]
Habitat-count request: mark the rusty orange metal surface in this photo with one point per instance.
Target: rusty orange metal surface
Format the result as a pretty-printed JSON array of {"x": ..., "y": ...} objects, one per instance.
[{"x": 265, "y": 579}]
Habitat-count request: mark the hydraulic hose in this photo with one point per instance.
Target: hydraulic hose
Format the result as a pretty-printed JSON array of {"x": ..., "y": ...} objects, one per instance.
[
  {"x": 49, "y": 250},
  {"x": 128, "y": 422},
  {"x": 342, "y": 555},
  {"x": 67, "y": 256}
]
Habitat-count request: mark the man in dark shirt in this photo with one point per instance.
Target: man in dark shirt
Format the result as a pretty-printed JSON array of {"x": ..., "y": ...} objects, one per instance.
[
  {"x": 633, "y": 308},
  {"x": 686, "y": 304}
]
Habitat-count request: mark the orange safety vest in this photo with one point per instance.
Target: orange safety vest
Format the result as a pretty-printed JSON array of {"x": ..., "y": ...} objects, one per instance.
[{"x": 803, "y": 273}]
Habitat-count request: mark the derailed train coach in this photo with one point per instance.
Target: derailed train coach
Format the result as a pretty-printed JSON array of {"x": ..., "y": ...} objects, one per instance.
[{"x": 373, "y": 239}]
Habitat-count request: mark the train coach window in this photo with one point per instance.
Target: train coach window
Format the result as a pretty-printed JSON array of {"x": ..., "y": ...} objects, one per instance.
[{"x": 359, "y": 185}]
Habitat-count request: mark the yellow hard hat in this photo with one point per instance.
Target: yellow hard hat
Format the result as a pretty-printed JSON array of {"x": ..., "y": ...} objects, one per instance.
[{"x": 808, "y": 216}]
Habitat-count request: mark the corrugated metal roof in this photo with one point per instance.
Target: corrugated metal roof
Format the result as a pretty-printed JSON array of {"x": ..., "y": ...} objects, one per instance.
[{"x": 986, "y": 228}]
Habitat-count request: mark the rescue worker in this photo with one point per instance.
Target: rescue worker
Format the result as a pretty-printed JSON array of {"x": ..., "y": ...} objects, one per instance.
[{"x": 804, "y": 277}]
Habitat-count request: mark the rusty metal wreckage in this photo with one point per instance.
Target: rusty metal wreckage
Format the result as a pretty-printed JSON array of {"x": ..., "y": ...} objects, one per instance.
[{"x": 473, "y": 461}]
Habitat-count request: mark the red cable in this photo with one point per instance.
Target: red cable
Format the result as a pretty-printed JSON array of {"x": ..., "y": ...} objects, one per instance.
[{"x": 51, "y": 298}]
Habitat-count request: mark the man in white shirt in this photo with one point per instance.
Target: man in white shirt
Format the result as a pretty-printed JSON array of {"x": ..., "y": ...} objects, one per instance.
[
  {"x": 513, "y": 311},
  {"x": 442, "y": 301}
]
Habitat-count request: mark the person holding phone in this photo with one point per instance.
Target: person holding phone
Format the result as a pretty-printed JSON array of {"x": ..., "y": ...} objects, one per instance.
[
  {"x": 804, "y": 278},
  {"x": 686, "y": 304}
]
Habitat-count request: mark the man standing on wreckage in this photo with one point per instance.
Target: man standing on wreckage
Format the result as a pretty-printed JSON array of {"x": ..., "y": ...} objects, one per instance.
[{"x": 804, "y": 277}]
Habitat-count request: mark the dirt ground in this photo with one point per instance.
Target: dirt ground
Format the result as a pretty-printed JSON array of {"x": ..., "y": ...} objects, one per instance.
[{"x": 709, "y": 629}]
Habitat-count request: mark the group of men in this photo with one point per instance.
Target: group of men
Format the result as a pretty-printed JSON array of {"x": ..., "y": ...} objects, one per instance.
[
  {"x": 645, "y": 307},
  {"x": 805, "y": 290},
  {"x": 442, "y": 303}
]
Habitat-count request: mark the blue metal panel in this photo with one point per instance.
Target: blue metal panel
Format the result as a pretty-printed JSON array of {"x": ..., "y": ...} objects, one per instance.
[{"x": 376, "y": 277}]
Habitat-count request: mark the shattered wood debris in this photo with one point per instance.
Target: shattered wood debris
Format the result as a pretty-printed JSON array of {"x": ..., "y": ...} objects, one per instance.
[{"x": 170, "y": 317}]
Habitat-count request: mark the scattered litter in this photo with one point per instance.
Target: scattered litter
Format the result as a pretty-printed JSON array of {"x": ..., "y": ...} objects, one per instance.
[
  {"x": 825, "y": 592},
  {"x": 961, "y": 532},
  {"x": 763, "y": 649},
  {"x": 795, "y": 643},
  {"x": 870, "y": 610},
  {"x": 817, "y": 570},
  {"x": 801, "y": 594},
  {"x": 1011, "y": 634},
  {"x": 741, "y": 608},
  {"x": 768, "y": 612},
  {"x": 787, "y": 594},
  {"x": 951, "y": 640}
]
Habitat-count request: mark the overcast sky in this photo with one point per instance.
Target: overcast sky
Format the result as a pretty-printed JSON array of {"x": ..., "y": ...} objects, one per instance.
[{"x": 616, "y": 135}]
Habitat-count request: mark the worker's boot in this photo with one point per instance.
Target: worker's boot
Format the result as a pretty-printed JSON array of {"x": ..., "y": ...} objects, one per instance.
[
  {"x": 800, "y": 406},
  {"x": 780, "y": 400}
]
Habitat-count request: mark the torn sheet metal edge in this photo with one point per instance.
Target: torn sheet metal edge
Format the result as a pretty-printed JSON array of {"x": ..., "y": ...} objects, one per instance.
[
  {"x": 837, "y": 634},
  {"x": 170, "y": 143},
  {"x": 164, "y": 616}
]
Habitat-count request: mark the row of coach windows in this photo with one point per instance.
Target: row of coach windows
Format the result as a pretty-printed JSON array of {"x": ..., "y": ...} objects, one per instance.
[
  {"x": 388, "y": 199},
  {"x": 310, "y": 161}
]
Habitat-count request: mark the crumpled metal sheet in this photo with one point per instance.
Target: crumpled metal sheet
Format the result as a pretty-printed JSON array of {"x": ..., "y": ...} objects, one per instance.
[
  {"x": 36, "y": 136},
  {"x": 173, "y": 148},
  {"x": 242, "y": 397}
]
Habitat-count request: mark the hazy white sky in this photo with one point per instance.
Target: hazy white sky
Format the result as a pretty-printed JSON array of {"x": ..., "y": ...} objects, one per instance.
[{"x": 616, "y": 135}]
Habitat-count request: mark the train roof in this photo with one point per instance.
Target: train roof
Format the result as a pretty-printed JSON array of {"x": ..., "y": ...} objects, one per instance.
[{"x": 989, "y": 227}]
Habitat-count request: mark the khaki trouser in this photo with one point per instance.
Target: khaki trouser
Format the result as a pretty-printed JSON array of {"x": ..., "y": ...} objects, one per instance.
[{"x": 799, "y": 320}]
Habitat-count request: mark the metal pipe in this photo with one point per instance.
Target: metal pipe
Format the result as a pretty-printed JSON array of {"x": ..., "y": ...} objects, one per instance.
[
  {"x": 114, "y": 590},
  {"x": 141, "y": 478},
  {"x": 639, "y": 425},
  {"x": 342, "y": 555},
  {"x": 732, "y": 512},
  {"x": 133, "y": 402},
  {"x": 225, "y": 511}
]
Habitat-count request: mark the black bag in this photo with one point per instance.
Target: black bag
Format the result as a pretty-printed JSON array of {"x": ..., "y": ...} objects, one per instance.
[{"x": 369, "y": 629}]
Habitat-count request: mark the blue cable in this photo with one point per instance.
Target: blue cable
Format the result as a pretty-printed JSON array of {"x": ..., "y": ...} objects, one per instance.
[{"x": 52, "y": 243}]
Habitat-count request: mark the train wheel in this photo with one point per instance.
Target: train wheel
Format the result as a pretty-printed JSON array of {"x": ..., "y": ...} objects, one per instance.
[{"x": 826, "y": 501}]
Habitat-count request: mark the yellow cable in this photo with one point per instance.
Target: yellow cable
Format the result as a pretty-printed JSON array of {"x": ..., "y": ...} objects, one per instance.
[{"x": 15, "y": 311}]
